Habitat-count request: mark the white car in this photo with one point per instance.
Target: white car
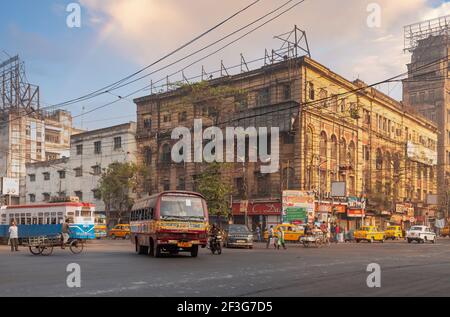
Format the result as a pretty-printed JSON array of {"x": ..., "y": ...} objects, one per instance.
[{"x": 421, "y": 234}]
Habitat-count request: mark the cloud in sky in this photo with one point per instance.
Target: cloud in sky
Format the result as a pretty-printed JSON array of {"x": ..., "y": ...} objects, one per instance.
[{"x": 143, "y": 30}]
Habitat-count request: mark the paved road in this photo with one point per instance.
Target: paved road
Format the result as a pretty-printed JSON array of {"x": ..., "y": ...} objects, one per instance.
[{"x": 110, "y": 268}]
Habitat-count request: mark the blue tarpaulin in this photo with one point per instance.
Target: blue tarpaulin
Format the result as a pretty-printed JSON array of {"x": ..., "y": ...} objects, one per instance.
[{"x": 26, "y": 231}]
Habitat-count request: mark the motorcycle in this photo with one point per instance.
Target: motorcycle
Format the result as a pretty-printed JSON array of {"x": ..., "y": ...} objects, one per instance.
[{"x": 215, "y": 244}]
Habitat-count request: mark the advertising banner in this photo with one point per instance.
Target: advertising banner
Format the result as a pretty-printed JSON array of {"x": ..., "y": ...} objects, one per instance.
[
  {"x": 10, "y": 186},
  {"x": 298, "y": 205}
]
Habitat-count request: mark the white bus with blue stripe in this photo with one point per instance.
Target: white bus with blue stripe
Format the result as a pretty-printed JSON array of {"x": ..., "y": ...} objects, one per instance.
[{"x": 36, "y": 219}]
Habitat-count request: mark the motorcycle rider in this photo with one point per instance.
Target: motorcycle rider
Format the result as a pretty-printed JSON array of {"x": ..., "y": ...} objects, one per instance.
[{"x": 214, "y": 231}]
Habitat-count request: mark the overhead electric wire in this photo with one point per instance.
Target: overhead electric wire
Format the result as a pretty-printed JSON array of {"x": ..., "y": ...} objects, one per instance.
[{"x": 109, "y": 87}]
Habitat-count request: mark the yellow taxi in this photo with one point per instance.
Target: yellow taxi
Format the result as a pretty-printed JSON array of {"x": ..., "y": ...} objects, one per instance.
[
  {"x": 393, "y": 232},
  {"x": 445, "y": 232},
  {"x": 369, "y": 234},
  {"x": 292, "y": 233},
  {"x": 120, "y": 231}
]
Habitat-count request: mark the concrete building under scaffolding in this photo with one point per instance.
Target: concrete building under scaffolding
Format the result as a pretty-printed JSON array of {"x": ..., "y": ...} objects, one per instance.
[
  {"x": 27, "y": 133},
  {"x": 427, "y": 89},
  {"x": 331, "y": 129}
]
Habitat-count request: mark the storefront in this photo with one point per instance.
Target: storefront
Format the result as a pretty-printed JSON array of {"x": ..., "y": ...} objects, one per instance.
[{"x": 264, "y": 214}]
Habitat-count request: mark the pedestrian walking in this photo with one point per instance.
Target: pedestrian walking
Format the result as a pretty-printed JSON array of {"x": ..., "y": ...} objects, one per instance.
[
  {"x": 14, "y": 236},
  {"x": 333, "y": 233},
  {"x": 270, "y": 237},
  {"x": 258, "y": 233},
  {"x": 280, "y": 238}
]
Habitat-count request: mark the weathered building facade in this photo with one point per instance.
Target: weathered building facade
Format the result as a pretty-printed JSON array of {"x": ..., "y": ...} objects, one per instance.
[
  {"x": 331, "y": 129},
  {"x": 91, "y": 153}
]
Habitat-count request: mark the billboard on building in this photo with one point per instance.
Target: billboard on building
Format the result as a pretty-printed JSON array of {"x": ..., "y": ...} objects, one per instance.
[
  {"x": 432, "y": 199},
  {"x": 10, "y": 186},
  {"x": 338, "y": 189},
  {"x": 298, "y": 205},
  {"x": 421, "y": 154}
]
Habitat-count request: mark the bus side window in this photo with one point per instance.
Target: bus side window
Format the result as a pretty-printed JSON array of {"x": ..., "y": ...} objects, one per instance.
[
  {"x": 151, "y": 213},
  {"x": 40, "y": 218}
]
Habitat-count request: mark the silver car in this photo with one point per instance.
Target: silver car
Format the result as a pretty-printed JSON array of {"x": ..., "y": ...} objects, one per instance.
[{"x": 238, "y": 236}]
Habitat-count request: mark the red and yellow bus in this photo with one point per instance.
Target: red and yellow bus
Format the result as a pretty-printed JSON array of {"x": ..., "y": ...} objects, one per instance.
[{"x": 169, "y": 222}]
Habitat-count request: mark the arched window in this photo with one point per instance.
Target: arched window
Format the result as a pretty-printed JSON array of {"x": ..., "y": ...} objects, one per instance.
[
  {"x": 342, "y": 151},
  {"x": 323, "y": 145},
  {"x": 165, "y": 154},
  {"x": 148, "y": 155},
  {"x": 352, "y": 153},
  {"x": 388, "y": 164},
  {"x": 396, "y": 164},
  {"x": 379, "y": 160},
  {"x": 334, "y": 147},
  {"x": 309, "y": 146}
]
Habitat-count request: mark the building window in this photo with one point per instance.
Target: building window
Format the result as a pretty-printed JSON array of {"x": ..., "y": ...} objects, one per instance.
[
  {"x": 78, "y": 172},
  {"x": 263, "y": 184},
  {"x": 167, "y": 117},
  {"x": 80, "y": 149},
  {"x": 32, "y": 198},
  {"x": 97, "y": 194},
  {"x": 334, "y": 147},
  {"x": 288, "y": 138},
  {"x": 182, "y": 116},
  {"x": 98, "y": 147},
  {"x": 46, "y": 197},
  {"x": 166, "y": 155},
  {"x": 311, "y": 91},
  {"x": 241, "y": 102},
  {"x": 240, "y": 188},
  {"x": 323, "y": 145},
  {"x": 32, "y": 177},
  {"x": 148, "y": 123},
  {"x": 62, "y": 174},
  {"x": 181, "y": 183},
  {"x": 148, "y": 155},
  {"x": 117, "y": 143},
  {"x": 166, "y": 184},
  {"x": 96, "y": 170},
  {"x": 263, "y": 97},
  {"x": 46, "y": 176},
  {"x": 79, "y": 194},
  {"x": 286, "y": 92}
]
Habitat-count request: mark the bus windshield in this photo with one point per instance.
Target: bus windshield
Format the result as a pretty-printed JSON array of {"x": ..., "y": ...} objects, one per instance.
[{"x": 181, "y": 207}]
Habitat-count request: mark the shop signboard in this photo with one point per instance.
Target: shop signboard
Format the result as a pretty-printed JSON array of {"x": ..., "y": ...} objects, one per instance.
[
  {"x": 355, "y": 212},
  {"x": 298, "y": 205}
]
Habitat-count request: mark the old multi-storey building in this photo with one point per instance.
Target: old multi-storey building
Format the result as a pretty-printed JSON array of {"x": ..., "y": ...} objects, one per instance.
[
  {"x": 78, "y": 175},
  {"x": 331, "y": 129},
  {"x": 27, "y": 138},
  {"x": 427, "y": 88}
]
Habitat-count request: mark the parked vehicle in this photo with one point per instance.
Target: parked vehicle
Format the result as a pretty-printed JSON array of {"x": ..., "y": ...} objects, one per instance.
[
  {"x": 170, "y": 222},
  {"x": 394, "y": 232},
  {"x": 120, "y": 231},
  {"x": 292, "y": 233},
  {"x": 445, "y": 232},
  {"x": 421, "y": 234},
  {"x": 369, "y": 234},
  {"x": 238, "y": 236}
]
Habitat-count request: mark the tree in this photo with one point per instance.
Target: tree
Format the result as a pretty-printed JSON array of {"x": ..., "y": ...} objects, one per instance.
[
  {"x": 117, "y": 185},
  {"x": 215, "y": 190}
]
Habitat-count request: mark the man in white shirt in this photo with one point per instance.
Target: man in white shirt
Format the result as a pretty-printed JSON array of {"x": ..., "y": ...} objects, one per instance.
[{"x": 14, "y": 237}]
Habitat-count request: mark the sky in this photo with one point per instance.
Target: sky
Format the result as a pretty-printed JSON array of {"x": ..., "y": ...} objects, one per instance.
[{"x": 118, "y": 37}]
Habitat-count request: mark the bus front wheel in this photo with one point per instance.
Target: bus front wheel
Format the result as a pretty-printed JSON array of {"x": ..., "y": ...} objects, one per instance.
[{"x": 194, "y": 251}]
